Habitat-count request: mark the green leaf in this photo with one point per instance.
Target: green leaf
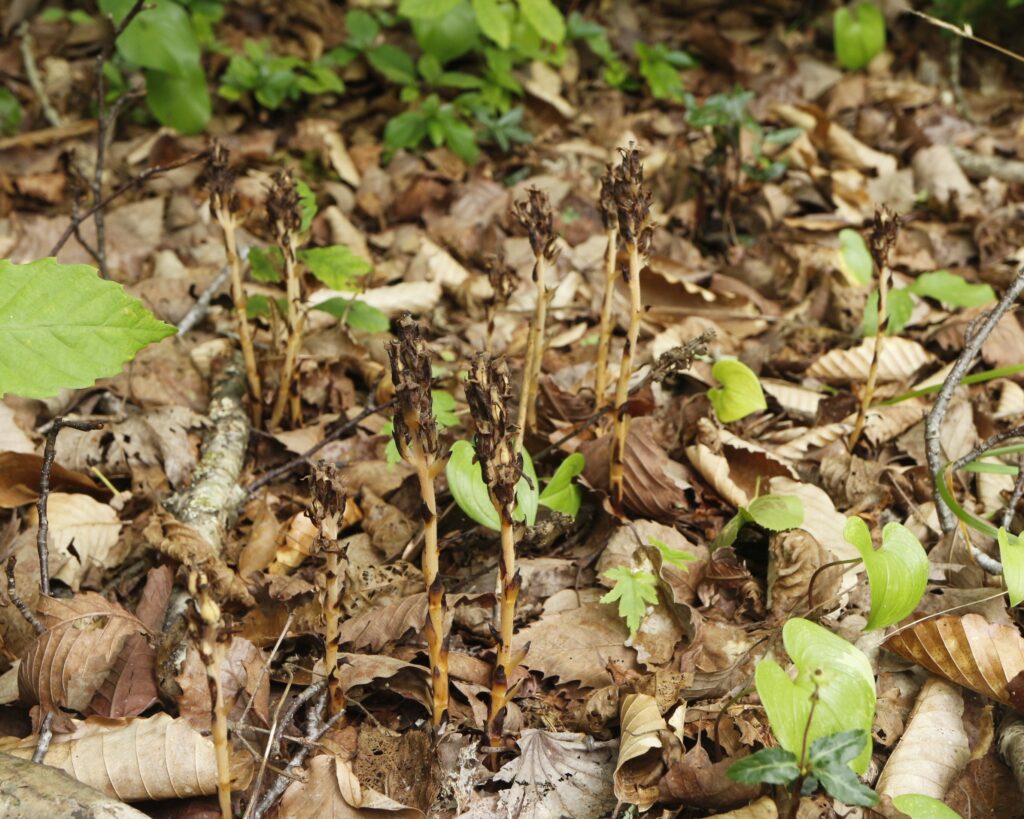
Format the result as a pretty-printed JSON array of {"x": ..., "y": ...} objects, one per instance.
[
  {"x": 843, "y": 784},
  {"x": 336, "y": 266},
  {"x": 777, "y": 512},
  {"x": 845, "y": 688},
  {"x": 561, "y": 494},
  {"x": 465, "y": 480},
  {"x": 356, "y": 314},
  {"x": 544, "y": 18},
  {"x": 493, "y": 21},
  {"x": 731, "y": 530},
  {"x": 407, "y": 130},
  {"x": 460, "y": 139},
  {"x": 897, "y": 572},
  {"x": 181, "y": 101},
  {"x": 1011, "y": 555},
  {"x": 952, "y": 290},
  {"x": 740, "y": 393},
  {"x": 307, "y": 207},
  {"x": 10, "y": 112},
  {"x": 159, "y": 37},
  {"x": 773, "y": 766},
  {"x": 918, "y": 806},
  {"x": 444, "y": 408},
  {"x": 266, "y": 264},
  {"x": 855, "y": 258},
  {"x": 64, "y": 327},
  {"x": 674, "y": 557},
  {"x": 837, "y": 749},
  {"x": 858, "y": 36},
  {"x": 362, "y": 29},
  {"x": 899, "y": 306},
  {"x": 451, "y": 35},
  {"x": 426, "y": 9},
  {"x": 634, "y": 589},
  {"x": 393, "y": 63}
]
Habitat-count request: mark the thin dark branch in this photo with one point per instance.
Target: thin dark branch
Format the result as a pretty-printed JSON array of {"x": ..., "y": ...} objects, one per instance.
[
  {"x": 1016, "y": 495},
  {"x": 119, "y": 29},
  {"x": 989, "y": 443},
  {"x": 14, "y": 597}
]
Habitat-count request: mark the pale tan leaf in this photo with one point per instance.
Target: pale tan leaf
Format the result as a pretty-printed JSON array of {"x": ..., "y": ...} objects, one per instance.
[
  {"x": 820, "y": 516},
  {"x": 241, "y": 678},
  {"x": 137, "y": 759},
  {"x": 9, "y": 684},
  {"x": 639, "y": 751},
  {"x": 763, "y": 808},
  {"x": 814, "y": 438},
  {"x": 558, "y": 774},
  {"x": 934, "y": 748},
  {"x": 19, "y": 480},
  {"x": 968, "y": 651},
  {"x": 93, "y": 527},
  {"x": 296, "y": 546},
  {"x": 901, "y": 358},
  {"x": 794, "y": 399},
  {"x": 12, "y": 437},
  {"x": 68, "y": 663},
  {"x": 332, "y": 791}
]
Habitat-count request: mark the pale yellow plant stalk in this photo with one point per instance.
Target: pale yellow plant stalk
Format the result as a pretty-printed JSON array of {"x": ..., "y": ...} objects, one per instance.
[{"x": 604, "y": 340}]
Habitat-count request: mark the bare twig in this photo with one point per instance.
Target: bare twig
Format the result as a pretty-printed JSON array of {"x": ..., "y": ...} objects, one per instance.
[
  {"x": 1016, "y": 495},
  {"x": 198, "y": 310},
  {"x": 973, "y": 341},
  {"x": 34, "y": 80},
  {"x": 14, "y": 597},
  {"x": 45, "y": 737}
]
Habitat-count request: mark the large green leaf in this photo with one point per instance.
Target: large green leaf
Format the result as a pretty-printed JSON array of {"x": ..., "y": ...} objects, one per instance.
[
  {"x": 493, "y": 21},
  {"x": 1011, "y": 555},
  {"x": 839, "y": 672},
  {"x": 859, "y": 36},
  {"x": 336, "y": 266},
  {"x": 160, "y": 37},
  {"x": 952, "y": 290},
  {"x": 449, "y": 36},
  {"x": 776, "y": 513},
  {"x": 356, "y": 314},
  {"x": 181, "y": 101},
  {"x": 918, "y": 806},
  {"x": 466, "y": 482},
  {"x": 544, "y": 18},
  {"x": 897, "y": 572},
  {"x": 740, "y": 393},
  {"x": 425, "y": 9},
  {"x": 64, "y": 327}
]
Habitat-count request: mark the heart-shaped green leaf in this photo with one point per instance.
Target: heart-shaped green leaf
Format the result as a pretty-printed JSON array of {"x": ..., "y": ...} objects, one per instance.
[
  {"x": 858, "y": 36},
  {"x": 842, "y": 677},
  {"x": 1011, "y": 555},
  {"x": 740, "y": 393},
  {"x": 918, "y": 806},
  {"x": 897, "y": 572},
  {"x": 466, "y": 482}
]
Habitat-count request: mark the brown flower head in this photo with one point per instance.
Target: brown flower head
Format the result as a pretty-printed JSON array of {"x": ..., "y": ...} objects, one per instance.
[
  {"x": 885, "y": 228},
  {"x": 411, "y": 375},
  {"x": 219, "y": 178},
  {"x": 539, "y": 222},
  {"x": 284, "y": 214},
  {"x": 328, "y": 499},
  {"x": 633, "y": 201},
  {"x": 488, "y": 392},
  {"x": 503, "y": 279}
]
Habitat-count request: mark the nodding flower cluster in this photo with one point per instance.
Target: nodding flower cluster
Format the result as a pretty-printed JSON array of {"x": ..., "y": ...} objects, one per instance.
[
  {"x": 488, "y": 393},
  {"x": 537, "y": 218},
  {"x": 284, "y": 213},
  {"x": 415, "y": 425},
  {"x": 219, "y": 178},
  {"x": 632, "y": 201}
]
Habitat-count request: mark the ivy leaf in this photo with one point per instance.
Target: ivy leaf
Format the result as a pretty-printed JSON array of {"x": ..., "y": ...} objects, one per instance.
[
  {"x": 336, "y": 266},
  {"x": 466, "y": 482},
  {"x": 837, "y": 749},
  {"x": 740, "y": 393},
  {"x": 773, "y": 766},
  {"x": 859, "y": 36},
  {"x": 897, "y": 572},
  {"x": 777, "y": 513},
  {"x": 843, "y": 784},
  {"x": 64, "y": 327},
  {"x": 918, "y": 806},
  {"x": 561, "y": 494},
  {"x": 634, "y": 589},
  {"x": 855, "y": 258},
  {"x": 1011, "y": 555},
  {"x": 674, "y": 557},
  {"x": 952, "y": 290}
]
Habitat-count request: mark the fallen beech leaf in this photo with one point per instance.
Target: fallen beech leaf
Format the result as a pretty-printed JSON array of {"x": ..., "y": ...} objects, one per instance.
[
  {"x": 130, "y": 687},
  {"x": 901, "y": 358},
  {"x": 793, "y": 558},
  {"x": 93, "y": 527},
  {"x": 374, "y": 629},
  {"x": 638, "y": 769},
  {"x": 934, "y": 748},
  {"x": 696, "y": 782},
  {"x": 968, "y": 651},
  {"x": 12, "y": 437},
  {"x": 332, "y": 790},
  {"x": 19, "y": 480},
  {"x": 241, "y": 679}
]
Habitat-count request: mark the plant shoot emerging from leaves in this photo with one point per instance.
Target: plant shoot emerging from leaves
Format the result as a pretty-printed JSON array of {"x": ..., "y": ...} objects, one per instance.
[{"x": 609, "y": 218}]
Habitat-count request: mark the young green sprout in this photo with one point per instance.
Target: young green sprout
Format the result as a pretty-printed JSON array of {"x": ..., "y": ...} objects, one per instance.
[
  {"x": 488, "y": 392},
  {"x": 609, "y": 217},
  {"x": 415, "y": 433},
  {"x": 326, "y": 510},
  {"x": 285, "y": 219},
  {"x": 220, "y": 179},
  {"x": 536, "y": 217},
  {"x": 633, "y": 209}
]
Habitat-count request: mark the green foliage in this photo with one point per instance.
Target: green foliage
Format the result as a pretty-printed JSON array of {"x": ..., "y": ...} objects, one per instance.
[
  {"x": 634, "y": 589},
  {"x": 951, "y": 290},
  {"x": 740, "y": 393},
  {"x": 443, "y": 407},
  {"x": 1011, "y": 555},
  {"x": 561, "y": 494},
  {"x": 64, "y": 327},
  {"x": 355, "y": 314},
  {"x": 918, "y": 806},
  {"x": 466, "y": 482},
  {"x": 897, "y": 572},
  {"x": 899, "y": 308},
  {"x": 855, "y": 258},
  {"x": 272, "y": 80},
  {"x": 674, "y": 557},
  {"x": 336, "y": 266},
  {"x": 858, "y": 35},
  {"x": 10, "y": 112},
  {"x": 162, "y": 41},
  {"x": 776, "y": 513},
  {"x": 659, "y": 66},
  {"x": 773, "y": 766},
  {"x": 435, "y": 121},
  {"x": 829, "y": 670}
]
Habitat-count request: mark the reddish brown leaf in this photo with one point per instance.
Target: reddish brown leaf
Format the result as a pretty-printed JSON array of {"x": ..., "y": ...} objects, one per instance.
[{"x": 19, "y": 480}]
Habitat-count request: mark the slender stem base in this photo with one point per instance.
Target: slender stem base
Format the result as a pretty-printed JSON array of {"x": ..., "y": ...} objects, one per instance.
[
  {"x": 434, "y": 631},
  {"x": 604, "y": 342},
  {"x": 241, "y": 301},
  {"x": 622, "y": 418},
  {"x": 504, "y": 665}
]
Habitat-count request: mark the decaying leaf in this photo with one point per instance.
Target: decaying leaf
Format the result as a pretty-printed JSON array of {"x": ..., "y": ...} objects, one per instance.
[
  {"x": 793, "y": 559},
  {"x": 901, "y": 358},
  {"x": 332, "y": 790},
  {"x": 377, "y": 627},
  {"x": 19, "y": 480},
  {"x": 639, "y": 766},
  {"x": 93, "y": 528},
  {"x": 695, "y": 781}
]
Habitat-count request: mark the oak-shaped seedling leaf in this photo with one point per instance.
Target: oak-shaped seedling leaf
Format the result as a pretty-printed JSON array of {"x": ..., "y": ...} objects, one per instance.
[
  {"x": 466, "y": 482},
  {"x": 634, "y": 589},
  {"x": 918, "y": 806},
  {"x": 897, "y": 572},
  {"x": 64, "y": 327},
  {"x": 740, "y": 393},
  {"x": 1011, "y": 555}
]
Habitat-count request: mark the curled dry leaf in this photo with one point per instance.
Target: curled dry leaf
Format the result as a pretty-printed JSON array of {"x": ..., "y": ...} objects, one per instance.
[
  {"x": 375, "y": 628},
  {"x": 136, "y": 759},
  {"x": 68, "y": 663},
  {"x": 901, "y": 358},
  {"x": 934, "y": 747},
  {"x": 968, "y": 651},
  {"x": 694, "y": 781},
  {"x": 793, "y": 558},
  {"x": 639, "y": 767},
  {"x": 763, "y": 808},
  {"x": 19, "y": 480},
  {"x": 558, "y": 774}
]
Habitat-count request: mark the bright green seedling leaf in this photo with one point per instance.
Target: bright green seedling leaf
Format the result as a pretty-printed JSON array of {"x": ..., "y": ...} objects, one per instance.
[
  {"x": 859, "y": 36},
  {"x": 900, "y": 307},
  {"x": 466, "y": 482},
  {"x": 64, "y": 327},
  {"x": 307, "y": 207},
  {"x": 561, "y": 494},
  {"x": 839, "y": 672},
  {"x": 773, "y": 766},
  {"x": 855, "y": 258},
  {"x": 356, "y": 314},
  {"x": 740, "y": 393},
  {"x": 952, "y": 290},
  {"x": 634, "y": 589},
  {"x": 897, "y": 572},
  {"x": 544, "y": 18},
  {"x": 426, "y": 9},
  {"x": 159, "y": 37},
  {"x": 674, "y": 557},
  {"x": 842, "y": 783},
  {"x": 918, "y": 806},
  {"x": 1011, "y": 555},
  {"x": 179, "y": 100},
  {"x": 336, "y": 266},
  {"x": 493, "y": 21},
  {"x": 393, "y": 63},
  {"x": 777, "y": 513}
]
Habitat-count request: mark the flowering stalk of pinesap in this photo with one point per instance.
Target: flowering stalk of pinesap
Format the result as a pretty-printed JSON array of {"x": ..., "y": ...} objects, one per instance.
[
  {"x": 609, "y": 217},
  {"x": 326, "y": 510}
]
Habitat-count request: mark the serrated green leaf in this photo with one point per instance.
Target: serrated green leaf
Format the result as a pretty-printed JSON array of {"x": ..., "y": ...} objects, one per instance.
[
  {"x": 773, "y": 766},
  {"x": 674, "y": 557},
  {"x": 493, "y": 21},
  {"x": 839, "y": 672},
  {"x": 740, "y": 393},
  {"x": 858, "y": 36},
  {"x": 897, "y": 572},
  {"x": 919, "y": 806},
  {"x": 952, "y": 290},
  {"x": 842, "y": 783},
  {"x": 634, "y": 589},
  {"x": 336, "y": 266},
  {"x": 1011, "y": 555},
  {"x": 855, "y": 258},
  {"x": 307, "y": 206},
  {"x": 545, "y": 18},
  {"x": 836, "y": 749},
  {"x": 266, "y": 264},
  {"x": 777, "y": 512},
  {"x": 466, "y": 483},
  {"x": 64, "y": 327},
  {"x": 561, "y": 494}
]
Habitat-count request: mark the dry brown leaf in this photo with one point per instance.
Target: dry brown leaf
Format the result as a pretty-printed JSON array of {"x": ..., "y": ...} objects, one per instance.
[
  {"x": 934, "y": 748},
  {"x": 639, "y": 767},
  {"x": 19, "y": 480},
  {"x": 67, "y": 664},
  {"x": 694, "y": 781},
  {"x": 261, "y": 545},
  {"x": 377, "y": 627},
  {"x": 136, "y": 759},
  {"x": 901, "y": 358},
  {"x": 94, "y": 529},
  {"x": 793, "y": 559},
  {"x": 359, "y": 670},
  {"x": 296, "y": 546},
  {"x": 558, "y": 774},
  {"x": 332, "y": 790},
  {"x": 13, "y": 437},
  {"x": 968, "y": 651},
  {"x": 241, "y": 680},
  {"x": 130, "y": 686}
]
